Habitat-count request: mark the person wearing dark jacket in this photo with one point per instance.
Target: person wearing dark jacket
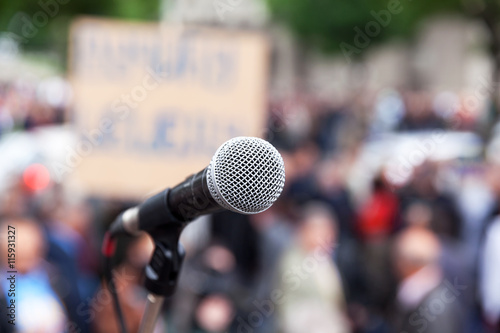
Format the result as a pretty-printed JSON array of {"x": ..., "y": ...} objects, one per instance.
[{"x": 426, "y": 302}]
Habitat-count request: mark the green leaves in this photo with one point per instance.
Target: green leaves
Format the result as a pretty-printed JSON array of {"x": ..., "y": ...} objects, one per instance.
[
  {"x": 52, "y": 35},
  {"x": 325, "y": 24}
]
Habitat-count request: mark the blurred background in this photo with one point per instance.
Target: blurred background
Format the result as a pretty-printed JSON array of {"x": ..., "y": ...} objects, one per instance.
[{"x": 385, "y": 113}]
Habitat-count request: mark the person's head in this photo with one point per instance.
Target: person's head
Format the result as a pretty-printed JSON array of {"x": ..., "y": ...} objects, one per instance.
[
  {"x": 317, "y": 228},
  {"x": 214, "y": 313},
  {"x": 139, "y": 252},
  {"x": 414, "y": 249},
  {"x": 77, "y": 216},
  {"x": 418, "y": 214},
  {"x": 492, "y": 177},
  {"x": 418, "y": 104},
  {"x": 219, "y": 258},
  {"x": 30, "y": 244},
  {"x": 423, "y": 179},
  {"x": 305, "y": 156},
  {"x": 13, "y": 199},
  {"x": 330, "y": 173}
]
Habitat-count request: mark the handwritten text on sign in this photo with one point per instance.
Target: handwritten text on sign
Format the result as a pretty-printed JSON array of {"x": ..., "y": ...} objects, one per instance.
[{"x": 153, "y": 103}]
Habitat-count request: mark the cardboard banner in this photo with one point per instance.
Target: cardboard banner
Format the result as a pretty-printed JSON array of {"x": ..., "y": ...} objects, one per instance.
[{"x": 152, "y": 103}]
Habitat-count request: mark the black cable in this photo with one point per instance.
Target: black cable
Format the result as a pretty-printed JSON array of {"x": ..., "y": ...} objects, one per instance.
[{"x": 108, "y": 251}]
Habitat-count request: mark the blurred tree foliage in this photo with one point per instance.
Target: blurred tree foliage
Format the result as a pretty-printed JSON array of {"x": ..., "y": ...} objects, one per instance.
[
  {"x": 333, "y": 25},
  {"x": 52, "y": 34},
  {"x": 325, "y": 24}
]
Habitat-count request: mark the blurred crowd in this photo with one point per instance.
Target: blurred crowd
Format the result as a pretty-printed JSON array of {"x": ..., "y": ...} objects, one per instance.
[
  {"x": 336, "y": 253},
  {"x": 26, "y": 103}
]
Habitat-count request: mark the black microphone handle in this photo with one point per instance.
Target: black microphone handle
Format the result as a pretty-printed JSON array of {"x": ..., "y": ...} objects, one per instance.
[
  {"x": 192, "y": 198},
  {"x": 177, "y": 205}
]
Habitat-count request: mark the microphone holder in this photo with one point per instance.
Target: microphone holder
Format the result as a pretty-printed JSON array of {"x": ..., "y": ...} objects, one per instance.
[{"x": 163, "y": 270}]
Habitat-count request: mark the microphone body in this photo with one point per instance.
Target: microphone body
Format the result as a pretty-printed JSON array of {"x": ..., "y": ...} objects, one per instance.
[
  {"x": 192, "y": 198},
  {"x": 246, "y": 175},
  {"x": 180, "y": 204}
]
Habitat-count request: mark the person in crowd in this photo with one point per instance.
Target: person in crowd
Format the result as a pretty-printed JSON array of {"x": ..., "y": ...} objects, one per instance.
[
  {"x": 489, "y": 259},
  {"x": 419, "y": 114},
  {"x": 330, "y": 176},
  {"x": 68, "y": 229},
  {"x": 377, "y": 217},
  {"x": 489, "y": 286},
  {"x": 446, "y": 220},
  {"x": 376, "y": 222},
  {"x": 213, "y": 314},
  {"x": 39, "y": 308},
  {"x": 276, "y": 231},
  {"x": 210, "y": 295},
  {"x": 99, "y": 310},
  {"x": 312, "y": 295},
  {"x": 425, "y": 302}
]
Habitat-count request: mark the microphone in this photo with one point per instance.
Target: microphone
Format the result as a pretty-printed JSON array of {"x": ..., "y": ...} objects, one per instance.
[{"x": 246, "y": 175}]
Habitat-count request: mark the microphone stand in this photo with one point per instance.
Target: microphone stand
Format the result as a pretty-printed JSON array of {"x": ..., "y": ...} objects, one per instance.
[{"x": 163, "y": 270}]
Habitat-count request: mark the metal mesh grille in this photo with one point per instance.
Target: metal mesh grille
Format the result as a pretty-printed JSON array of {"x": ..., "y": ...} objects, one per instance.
[{"x": 246, "y": 175}]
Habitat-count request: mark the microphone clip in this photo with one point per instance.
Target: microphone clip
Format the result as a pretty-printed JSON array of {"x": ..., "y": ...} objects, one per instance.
[
  {"x": 162, "y": 272},
  {"x": 163, "y": 269}
]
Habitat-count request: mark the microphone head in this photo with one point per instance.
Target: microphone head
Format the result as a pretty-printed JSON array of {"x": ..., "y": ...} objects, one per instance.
[{"x": 246, "y": 175}]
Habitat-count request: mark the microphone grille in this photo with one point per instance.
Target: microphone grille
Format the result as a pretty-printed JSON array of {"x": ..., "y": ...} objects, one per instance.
[{"x": 246, "y": 175}]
